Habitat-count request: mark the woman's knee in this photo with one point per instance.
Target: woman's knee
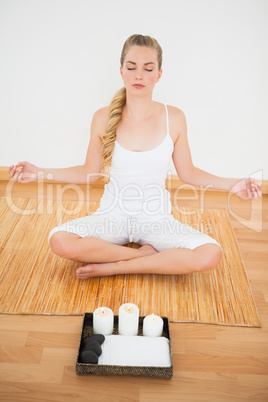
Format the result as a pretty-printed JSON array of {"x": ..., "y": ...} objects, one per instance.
[
  {"x": 61, "y": 245},
  {"x": 210, "y": 259}
]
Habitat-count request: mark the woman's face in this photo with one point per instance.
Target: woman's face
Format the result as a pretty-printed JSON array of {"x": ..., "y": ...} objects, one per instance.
[{"x": 140, "y": 70}]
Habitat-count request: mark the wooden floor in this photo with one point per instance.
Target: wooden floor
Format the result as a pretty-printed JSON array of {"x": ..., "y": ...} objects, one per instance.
[{"x": 211, "y": 363}]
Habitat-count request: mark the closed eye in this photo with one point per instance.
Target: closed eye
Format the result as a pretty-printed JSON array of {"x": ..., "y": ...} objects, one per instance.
[{"x": 134, "y": 69}]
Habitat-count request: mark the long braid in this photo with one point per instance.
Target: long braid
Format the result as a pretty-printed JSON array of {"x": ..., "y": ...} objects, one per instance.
[{"x": 115, "y": 113}]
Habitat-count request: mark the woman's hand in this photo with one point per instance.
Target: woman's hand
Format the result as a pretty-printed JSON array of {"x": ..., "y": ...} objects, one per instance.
[
  {"x": 247, "y": 189},
  {"x": 23, "y": 172}
]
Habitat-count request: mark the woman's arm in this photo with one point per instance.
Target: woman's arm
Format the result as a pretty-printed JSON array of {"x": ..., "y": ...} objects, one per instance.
[
  {"x": 188, "y": 173},
  {"x": 25, "y": 172}
]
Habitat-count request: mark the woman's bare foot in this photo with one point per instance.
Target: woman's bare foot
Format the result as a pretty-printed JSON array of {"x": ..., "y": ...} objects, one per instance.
[
  {"x": 96, "y": 269},
  {"x": 148, "y": 249},
  {"x": 109, "y": 268}
]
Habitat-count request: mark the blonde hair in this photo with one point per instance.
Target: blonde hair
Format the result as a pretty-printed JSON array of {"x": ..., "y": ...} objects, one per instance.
[{"x": 119, "y": 100}]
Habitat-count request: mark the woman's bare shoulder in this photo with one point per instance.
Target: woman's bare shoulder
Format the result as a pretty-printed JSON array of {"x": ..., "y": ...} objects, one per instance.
[
  {"x": 175, "y": 113},
  {"x": 100, "y": 120},
  {"x": 101, "y": 115},
  {"x": 177, "y": 122}
]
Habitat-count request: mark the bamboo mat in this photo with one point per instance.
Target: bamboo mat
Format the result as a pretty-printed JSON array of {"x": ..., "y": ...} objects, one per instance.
[{"x": 35, "y": 281}]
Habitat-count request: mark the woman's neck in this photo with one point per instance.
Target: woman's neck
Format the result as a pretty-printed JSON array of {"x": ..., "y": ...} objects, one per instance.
[{"x": 138, "y": 108}]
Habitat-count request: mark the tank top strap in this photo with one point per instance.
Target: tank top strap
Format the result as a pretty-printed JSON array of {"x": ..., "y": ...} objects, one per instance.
[{"x": 167, "y": 119}]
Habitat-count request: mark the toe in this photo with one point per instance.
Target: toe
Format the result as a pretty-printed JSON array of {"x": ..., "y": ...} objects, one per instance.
[{"x": 84, "y": 272}]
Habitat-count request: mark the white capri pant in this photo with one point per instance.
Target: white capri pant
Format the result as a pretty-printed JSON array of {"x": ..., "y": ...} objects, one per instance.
[{"x": 163, "y": 232}]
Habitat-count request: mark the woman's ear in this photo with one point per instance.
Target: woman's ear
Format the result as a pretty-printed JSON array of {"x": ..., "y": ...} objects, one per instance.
[
  {"x": 121, "y": 71},
  {"x": 159, "y": 75}
]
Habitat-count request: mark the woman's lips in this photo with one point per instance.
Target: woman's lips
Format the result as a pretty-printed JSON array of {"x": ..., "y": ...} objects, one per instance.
[{"x": 138, "y": 86}]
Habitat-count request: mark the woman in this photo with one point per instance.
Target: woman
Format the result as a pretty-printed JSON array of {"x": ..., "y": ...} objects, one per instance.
[{"x": 132, "y": 141}]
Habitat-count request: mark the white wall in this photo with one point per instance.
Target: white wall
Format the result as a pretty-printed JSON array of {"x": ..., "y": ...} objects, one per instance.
[{"x": 60, "y": 62}]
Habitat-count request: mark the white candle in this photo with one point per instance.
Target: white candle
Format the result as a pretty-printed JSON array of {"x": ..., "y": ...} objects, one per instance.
[
  {"x": 152, "y": 325},
  {"x": 128, "y": 319},
  {"x": 103, "y": 321}
]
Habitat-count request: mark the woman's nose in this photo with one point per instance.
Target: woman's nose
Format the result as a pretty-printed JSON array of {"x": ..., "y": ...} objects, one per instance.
[{"x": 139, "y": 74}]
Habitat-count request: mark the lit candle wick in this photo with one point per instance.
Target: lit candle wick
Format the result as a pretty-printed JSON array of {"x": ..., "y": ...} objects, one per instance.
[
  {"x": 128, "y": 308},
  {"x": 153, "y": 316},
  {"x": 102, "y": 310}
]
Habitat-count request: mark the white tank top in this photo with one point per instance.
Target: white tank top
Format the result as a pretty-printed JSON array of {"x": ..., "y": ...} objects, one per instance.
[{"x": 137, "y": 179}]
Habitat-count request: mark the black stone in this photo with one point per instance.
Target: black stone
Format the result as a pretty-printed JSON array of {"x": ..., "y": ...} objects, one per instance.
[
  {"x": 94, "y": 346},
  {"x": 88, "y": 356},
  {"x": 98, "y": 338}
]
